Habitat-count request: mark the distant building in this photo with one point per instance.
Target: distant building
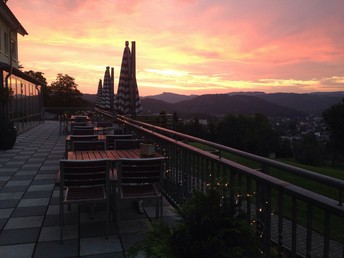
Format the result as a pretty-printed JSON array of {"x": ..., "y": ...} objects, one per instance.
[{"x": 20, "y": 95}]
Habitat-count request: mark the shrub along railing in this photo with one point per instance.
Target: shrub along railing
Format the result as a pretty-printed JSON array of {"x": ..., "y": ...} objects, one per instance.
[{"x": 291, "y": 216}]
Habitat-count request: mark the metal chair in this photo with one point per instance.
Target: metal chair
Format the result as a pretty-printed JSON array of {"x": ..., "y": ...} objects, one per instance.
[
  {"x": 88, "y": 145},
  {"x": 140, "y": 179},
  {"x": 83, "y": 131},
  {"x": 81, "y": 118},
  {"x": 86, "y": 137},
  {"x": 83, "y": 127},
  {"x": 84, "y": 182},
  {"x": 104, "y": 124},
  {"x": 73, "y": 138},
  {"x": 110, "y": 138},
  {"x": 76, "y": 124},
  {"x": 127, "y": 144}
]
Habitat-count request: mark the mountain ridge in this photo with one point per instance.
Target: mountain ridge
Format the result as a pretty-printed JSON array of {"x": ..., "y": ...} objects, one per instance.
[
  {"x": 313, "y": 103},
  {"x": 270, "y": 104},
  {"x": 220, "y": 104}
]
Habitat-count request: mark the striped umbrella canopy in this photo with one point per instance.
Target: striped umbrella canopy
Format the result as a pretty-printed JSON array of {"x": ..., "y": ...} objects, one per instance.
[
  {"x": 105, "y": 101},
  {"x": 127, "y": 101},
  {"x": 99, "y": 94}
]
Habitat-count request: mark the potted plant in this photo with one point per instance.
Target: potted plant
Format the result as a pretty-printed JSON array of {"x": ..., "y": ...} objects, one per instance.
[
  {"x": 8, "y": 132},
  {"x": 207, "y": 227},
  {"x": 147, "y": 148}
]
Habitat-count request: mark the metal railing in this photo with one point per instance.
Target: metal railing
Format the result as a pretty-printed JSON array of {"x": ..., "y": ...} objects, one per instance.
[{"x": 291, "y": 216}]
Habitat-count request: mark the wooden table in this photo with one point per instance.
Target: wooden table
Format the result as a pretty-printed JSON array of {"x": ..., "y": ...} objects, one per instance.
[
  {"x": 101, "y": 137},
  {"x": 113, "y": 155}
]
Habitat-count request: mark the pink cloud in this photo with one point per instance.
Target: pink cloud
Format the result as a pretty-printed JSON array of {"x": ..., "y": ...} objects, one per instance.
[{"x": 241, "y": 40}]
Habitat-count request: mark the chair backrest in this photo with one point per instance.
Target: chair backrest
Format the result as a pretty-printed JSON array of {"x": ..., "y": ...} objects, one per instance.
[
  {"x": 113, "y": 130},
  {"x": 87, "y": 131},
  {"x": 110, "y": 138},
  {"x": 78, "y": 173},
  {"x": 86, "y": 137},
  {"x": 127, "y": 144},
  {"x": 73, "y": 138},
  {"x": 80, "y": 118},
  {"x": 75, "y": 124},
  {"x": 140, "y": 171},
  {"x": 88, "y": 145},
  {"x": 83, "y": 127},
  {"x": 104, "y": 124}
]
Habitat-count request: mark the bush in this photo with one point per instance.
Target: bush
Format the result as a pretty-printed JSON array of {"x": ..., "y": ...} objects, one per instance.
[
  {"x": 309, "y": 151},
  {"x": 208, "y": 227}
]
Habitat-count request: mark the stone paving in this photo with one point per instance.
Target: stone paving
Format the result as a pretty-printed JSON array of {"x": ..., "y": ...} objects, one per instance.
[{"x": 29, "y": 206}]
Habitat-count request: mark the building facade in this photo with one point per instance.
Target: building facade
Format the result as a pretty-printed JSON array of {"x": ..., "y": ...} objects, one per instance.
[{"x": 20, "y": 95}]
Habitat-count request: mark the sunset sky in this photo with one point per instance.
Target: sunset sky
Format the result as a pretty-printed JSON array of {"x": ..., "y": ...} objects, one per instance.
[{"x": 188, "y": 46}]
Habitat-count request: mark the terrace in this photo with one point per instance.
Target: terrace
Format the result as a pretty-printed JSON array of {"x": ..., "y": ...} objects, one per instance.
[{"x": 29, "y": 199}]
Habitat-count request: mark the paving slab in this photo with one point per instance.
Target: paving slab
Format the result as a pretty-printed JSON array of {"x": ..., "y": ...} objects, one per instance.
[
  {"x": 29, "y": 206},
  {"x": 17, "y": 251}
]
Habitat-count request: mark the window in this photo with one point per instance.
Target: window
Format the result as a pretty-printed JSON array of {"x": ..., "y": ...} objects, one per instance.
[
  {"x": 6, "y": 45},
  {"x": 13, "y": 49},
  {"x": 0, "y": 41}
]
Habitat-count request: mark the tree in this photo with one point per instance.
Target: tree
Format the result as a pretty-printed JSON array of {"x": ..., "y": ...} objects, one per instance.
[
  {"x": 39, "y": 76},
  {"x": 248, "y": 133},
  {"x": 309, "y": 151},
  {"x": 334, "y": 118},
  {"x": 64, "y": 93},
  {"x": 195, "y": 128}
]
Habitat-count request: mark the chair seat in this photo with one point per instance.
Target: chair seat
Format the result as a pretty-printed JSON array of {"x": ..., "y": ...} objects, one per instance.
[
  {"x": 142, "y": 191},
  {"x": 85, "y": 193}
]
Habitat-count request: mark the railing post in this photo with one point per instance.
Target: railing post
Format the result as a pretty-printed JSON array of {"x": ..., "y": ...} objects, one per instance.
[
  {"x": 280, "y": 223},
  {"x": 293, "y": 226},
  {"x": 248, "y": 198},
  {"x": 267, "y": 220},
  {"x": 309, "y": 230},
  {"x": 327, "y": 226}
]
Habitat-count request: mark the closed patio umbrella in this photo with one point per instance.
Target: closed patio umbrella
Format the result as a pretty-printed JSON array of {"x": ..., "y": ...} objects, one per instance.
[
  {"x": 105, "y": 103},
  {"x": 127, "y": 100},
  {"x": 99, "y": 94}
]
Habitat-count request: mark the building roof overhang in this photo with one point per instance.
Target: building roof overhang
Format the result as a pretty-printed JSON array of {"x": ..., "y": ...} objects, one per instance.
[
  {"x": 10, "y": 18},
  {"x": 17, "y": 72}
]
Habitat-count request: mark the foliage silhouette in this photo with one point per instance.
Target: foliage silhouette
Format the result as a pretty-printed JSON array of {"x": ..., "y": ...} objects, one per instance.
[
  {"x": 207, "y": 227},
  {"x": 334, "y": 118}
]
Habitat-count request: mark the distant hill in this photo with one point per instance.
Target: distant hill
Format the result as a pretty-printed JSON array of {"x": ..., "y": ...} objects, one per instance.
[
  {"x": 311, "y": 103},
  {"x": 308, "y": 103},
  {"x": 171, "y": 97},
  {"x": 270, "y": 104},
  {"x": 155, "y": 106},
  {"x": 220, "y": 104}
]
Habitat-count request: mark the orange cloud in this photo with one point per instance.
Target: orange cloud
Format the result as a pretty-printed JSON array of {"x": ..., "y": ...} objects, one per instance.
[{"x": 188, "y": 46}]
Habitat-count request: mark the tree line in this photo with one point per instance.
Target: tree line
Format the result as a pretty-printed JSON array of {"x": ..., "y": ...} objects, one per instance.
[{"x": 254, "y": 134}]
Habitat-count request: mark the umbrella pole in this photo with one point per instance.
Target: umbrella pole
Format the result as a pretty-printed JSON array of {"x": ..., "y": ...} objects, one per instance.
[{"x": 132, "y": 78}]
